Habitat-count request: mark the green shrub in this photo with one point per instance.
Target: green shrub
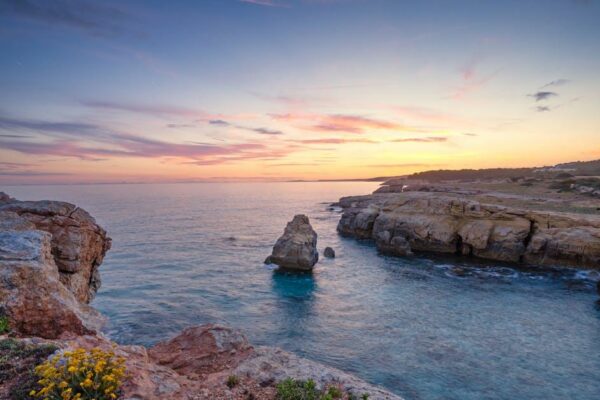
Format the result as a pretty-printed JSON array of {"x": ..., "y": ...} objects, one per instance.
[
  {"x": 335, "y": 392},
  {"x": 291, "y": 389},
  {"x": 232, "y": 381},
  {"x": 4, "y": 326}
]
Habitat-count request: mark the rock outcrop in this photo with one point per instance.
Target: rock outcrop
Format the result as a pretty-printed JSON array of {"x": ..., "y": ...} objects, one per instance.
[
  {"x": 197, "y": 363},
  {"x": 297, "y": 247},
  {"x": 78, "y": 243},
  {"x": 49, "y": 257},
  {"x": 31, "y": 294},
  {"x": 202, "y": 349},
  {"x": 401, "y": 223}
]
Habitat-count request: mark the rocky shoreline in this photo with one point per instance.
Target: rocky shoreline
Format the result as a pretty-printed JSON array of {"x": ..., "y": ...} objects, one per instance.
[
  {"x": 50, "y": 253},
  {"x": 457, "y": 222}
]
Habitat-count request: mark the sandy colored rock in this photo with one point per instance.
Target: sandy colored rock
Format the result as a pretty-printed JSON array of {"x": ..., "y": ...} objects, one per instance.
[
  {"x": 269, "y": 364},
  {"x": 297, "y": 247},
  {"x": 401, "y": 223}
]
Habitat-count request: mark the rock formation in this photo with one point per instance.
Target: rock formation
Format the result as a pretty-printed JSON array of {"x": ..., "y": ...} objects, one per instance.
[
  {"x": 196, "y": 364},
  {"x": 49, "y": 257},
  {"x": 329, "y": 252},
  {"x": 31, "y": 294},
  {"x": 401, "y": 223},
  {"x": 297, "y": 247},
  {"x": 78, "y": 243}
]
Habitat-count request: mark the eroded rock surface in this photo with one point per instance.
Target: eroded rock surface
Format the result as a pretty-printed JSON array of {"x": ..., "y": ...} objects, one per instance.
[
  {"x": 78, "y": 243},
  {"x": 31, "y": 294},
  {"x": 49, "y": 257},
  {"x": 297, "y": 247},
  {"x": 401, "y": 223},
  {"x": 202, "y": 349}
]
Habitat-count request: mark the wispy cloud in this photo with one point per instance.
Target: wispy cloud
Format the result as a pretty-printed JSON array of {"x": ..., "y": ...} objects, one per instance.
[
  {"x": 265, "y": 3},
  {"x": 149, "y": 109},
  {"x": 542, "y": 95},
  {"x": 471, "y": 79},
  {"x": 95, "y": 19},
  {"x": 556, "y": 82},
  {"x": 260, "y": 130},
  {"x": 92, "y": 143},
  {"x": 335, "y": 141},
  {"x": 430, "y": 139},
  {"x": 218, "y": 122},
  {"x": 542, "y": 108},
  {"x": 340, "y": 123}
]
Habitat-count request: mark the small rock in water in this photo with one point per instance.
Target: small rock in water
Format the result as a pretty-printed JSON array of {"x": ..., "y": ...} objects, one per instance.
[
  {"x": 329, "y": 252},
  {"x": 458, "y": 271},
  {"x": 297, "y": 247},
  {"x": 268, "y": 260}
]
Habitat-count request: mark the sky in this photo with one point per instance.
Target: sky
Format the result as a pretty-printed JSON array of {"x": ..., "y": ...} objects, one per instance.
[{"x": 228, "y": 90}]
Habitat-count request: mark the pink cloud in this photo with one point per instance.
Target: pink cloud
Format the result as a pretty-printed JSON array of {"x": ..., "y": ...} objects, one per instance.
[{"x": 340, "y": 123}]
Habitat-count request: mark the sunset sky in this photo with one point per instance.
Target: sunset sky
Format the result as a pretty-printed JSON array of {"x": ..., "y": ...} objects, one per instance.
[{"x": 145, "y": 91}]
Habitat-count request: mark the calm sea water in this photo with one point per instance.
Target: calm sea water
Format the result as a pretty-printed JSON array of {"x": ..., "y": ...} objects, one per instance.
[{"x": 186, "y": 254}]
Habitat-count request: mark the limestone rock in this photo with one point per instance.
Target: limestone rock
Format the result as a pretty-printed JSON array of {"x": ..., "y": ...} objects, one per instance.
[
  {"x": 329, "y": 252},
  {"x": 402, "y": 223},
  {"x": 297, "y": 247},
  {"x": 268, "y": 365},
  {"x": 78, "y": 243},
  {"x": 31, "y": 294}
]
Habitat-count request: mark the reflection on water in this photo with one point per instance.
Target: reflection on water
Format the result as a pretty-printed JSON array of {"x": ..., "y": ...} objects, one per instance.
[{"x": 424, "y": 327}]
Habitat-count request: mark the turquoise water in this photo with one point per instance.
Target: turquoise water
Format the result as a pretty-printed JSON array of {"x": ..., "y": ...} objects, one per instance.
[{"x": 187, "y": 254}]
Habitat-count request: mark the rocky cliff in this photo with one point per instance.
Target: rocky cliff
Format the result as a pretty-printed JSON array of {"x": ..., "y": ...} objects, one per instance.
[
  {"x": 49, "y": 257},
  {"x": 78, "y": 243},
  {"x": 401, "y": 223}
]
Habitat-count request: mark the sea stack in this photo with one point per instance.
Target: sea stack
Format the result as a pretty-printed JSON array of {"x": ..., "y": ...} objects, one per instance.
[
  {"x": 297, "y": 248},
  {"x": 329, "y": 252}
]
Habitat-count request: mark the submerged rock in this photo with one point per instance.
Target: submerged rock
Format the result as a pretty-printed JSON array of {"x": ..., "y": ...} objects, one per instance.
[
  {"x": 297, "y": 247},
  {"x": 329, "y": 252}
]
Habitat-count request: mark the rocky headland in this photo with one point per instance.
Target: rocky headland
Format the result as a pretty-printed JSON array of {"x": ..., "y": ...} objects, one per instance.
[
  {"x": 471, "y": 221},
  {"x": 50, "y": 254}
]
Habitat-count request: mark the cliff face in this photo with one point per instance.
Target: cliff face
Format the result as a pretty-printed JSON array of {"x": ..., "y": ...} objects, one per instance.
[
  {"x": 49, "y": 257},
  {"x": 400, "y": 223},
  {"x": 78, "y": 244}
]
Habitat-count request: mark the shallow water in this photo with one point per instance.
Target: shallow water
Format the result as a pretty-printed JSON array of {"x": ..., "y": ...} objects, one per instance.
[{"x": 187, "y": 254}]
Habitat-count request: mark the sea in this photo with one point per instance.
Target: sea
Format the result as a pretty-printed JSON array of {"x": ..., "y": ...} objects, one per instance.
[{"x": 423, "y": 327}]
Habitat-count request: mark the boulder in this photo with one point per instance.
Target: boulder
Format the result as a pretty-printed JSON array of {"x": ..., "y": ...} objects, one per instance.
[
  {"x": 297, "y": 247},
  {"x": 329, "y": 252},
  {"x": 78, "y": 243},
  {"x": 200, "y": 350}
]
